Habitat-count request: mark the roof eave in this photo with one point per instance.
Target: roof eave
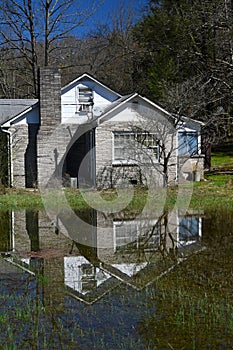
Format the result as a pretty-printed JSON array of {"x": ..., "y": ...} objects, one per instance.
[
  {"x": 104, "y": 115},
  {"x": 192, "y": 120},
  {"x": 9, "y": 122},
  {"x": 85, "y": 75}
]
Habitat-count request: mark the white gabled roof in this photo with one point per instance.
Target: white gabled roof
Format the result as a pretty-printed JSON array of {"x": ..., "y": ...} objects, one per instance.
[
  {"x": 117, "y": 104},
  {"x": 190, "y": 120},
  {"x": 128, "y": 98},
  {"x": 88, "y": 77},
  {"x": 125, "y": 99}
]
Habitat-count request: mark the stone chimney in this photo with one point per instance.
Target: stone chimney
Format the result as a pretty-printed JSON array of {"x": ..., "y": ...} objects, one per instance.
[{"x": 50, "y": 96}]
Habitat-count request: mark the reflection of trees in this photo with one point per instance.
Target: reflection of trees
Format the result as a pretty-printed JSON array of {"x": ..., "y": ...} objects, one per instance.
[
  {"x": 166, "y": 235},
  {"x": 165, "y": 238},
  {"x": 149, "y": 239},
  {"x": 5, "y": 232}
]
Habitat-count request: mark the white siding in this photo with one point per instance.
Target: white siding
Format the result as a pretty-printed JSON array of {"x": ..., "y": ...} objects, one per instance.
[
  {"x": 102, "y": 98},
  {"x": 125, "y": 114}
]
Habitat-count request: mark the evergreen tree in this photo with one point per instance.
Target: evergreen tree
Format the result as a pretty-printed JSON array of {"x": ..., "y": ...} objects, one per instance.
[{"x": 189, "y": 59}]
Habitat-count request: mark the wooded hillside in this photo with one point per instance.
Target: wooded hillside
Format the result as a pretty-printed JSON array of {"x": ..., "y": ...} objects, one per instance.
[{"x": 179, "y": 54}]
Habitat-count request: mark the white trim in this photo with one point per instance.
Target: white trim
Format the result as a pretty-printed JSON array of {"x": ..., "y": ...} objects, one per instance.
[
  {"x": 177, "y": 159},
  {"x": 11, "y": 156},
  {"x": 153, "y": 158},
  {"x": 199, "y": 143},
  {"x": 124, "y": 162},
  {"x": 13, "y": 230},
  {"x": 85, "y": 75},
  {"x": 8, "y": 123},
  {"x": 104, "y": 115},
  {"x": 200, "y": 227}
]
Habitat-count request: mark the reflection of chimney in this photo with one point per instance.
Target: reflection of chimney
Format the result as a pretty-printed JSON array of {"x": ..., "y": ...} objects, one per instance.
[
  {"x": 50, "y": 96},
  {"x": 33, "y": 229}
]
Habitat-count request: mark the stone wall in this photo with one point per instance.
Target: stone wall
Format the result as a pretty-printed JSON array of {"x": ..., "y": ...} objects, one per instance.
[
  {"x": 52, "y": 147},
  {"x": 19, "y": 147},
  {"x": 113, "y": 175}
]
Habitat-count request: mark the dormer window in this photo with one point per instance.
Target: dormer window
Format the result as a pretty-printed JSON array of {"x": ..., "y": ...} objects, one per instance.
[{"x": 84, "y": 99}]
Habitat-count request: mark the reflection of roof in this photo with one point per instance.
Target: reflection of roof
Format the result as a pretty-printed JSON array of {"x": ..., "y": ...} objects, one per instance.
[
  {"x": 8, "y": 268},
  {"x": 81, "y": 275},
  {"x": 10, "y": 108}
]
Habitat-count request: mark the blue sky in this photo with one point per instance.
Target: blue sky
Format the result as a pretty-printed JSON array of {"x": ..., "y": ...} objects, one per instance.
[{"x": 111, "y": 7}]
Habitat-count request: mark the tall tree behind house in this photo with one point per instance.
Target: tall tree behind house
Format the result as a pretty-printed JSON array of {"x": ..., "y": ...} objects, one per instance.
[
  {"x": 32, "y": 30},
  {"x": 189, "y": 61}
]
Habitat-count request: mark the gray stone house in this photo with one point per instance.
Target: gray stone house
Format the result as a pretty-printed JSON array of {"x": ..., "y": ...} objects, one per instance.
[{"x": 86, "y": 134}]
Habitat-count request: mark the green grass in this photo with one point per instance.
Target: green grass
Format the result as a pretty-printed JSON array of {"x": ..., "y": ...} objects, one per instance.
[
  {"x": 215, "y": 191},
  {"x": 222, "y": 160},
  {"x": 14, "y": 199}
]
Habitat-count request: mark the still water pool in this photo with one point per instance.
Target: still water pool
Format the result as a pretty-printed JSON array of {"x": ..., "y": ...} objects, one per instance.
[{"x": 148, "y": 283}]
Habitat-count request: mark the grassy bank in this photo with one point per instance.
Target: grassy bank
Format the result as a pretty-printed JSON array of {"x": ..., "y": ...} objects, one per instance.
[{"x": 215, "y": 192}]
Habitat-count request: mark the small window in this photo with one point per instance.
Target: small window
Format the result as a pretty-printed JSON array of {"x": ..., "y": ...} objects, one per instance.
[
  {"x": 135, "y": 147},
  {"x": 188, "y": 230},
  {"x": 187, "y": 143},
  {"x": 84, "y": 99}
]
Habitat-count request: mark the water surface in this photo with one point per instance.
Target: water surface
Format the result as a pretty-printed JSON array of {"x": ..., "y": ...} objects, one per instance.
[{"x": 132, "y": 285}]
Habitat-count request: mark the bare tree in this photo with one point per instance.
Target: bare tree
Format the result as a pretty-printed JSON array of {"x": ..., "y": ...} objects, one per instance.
[
  {"x": 198, "y": 98},
  {"x": 115, "y": 53},
  {"x": 29, "y": 27}
]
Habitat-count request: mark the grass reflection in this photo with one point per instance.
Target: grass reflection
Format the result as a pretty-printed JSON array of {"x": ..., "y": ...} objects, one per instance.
[{"x": 195, "y": 306}]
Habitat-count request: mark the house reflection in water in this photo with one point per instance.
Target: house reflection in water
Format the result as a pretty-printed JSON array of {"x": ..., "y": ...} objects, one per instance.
[{"x": 137, "y": 251}]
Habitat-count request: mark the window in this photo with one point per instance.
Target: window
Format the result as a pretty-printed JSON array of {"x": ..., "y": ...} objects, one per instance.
[
  {"x": 188, "y": 230},
  {"x": 132, "y": 147},
  {"x": 187, "y": 143},
  {"x": 84, "y": 99},
  {"x": 132, "y": 235}
]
